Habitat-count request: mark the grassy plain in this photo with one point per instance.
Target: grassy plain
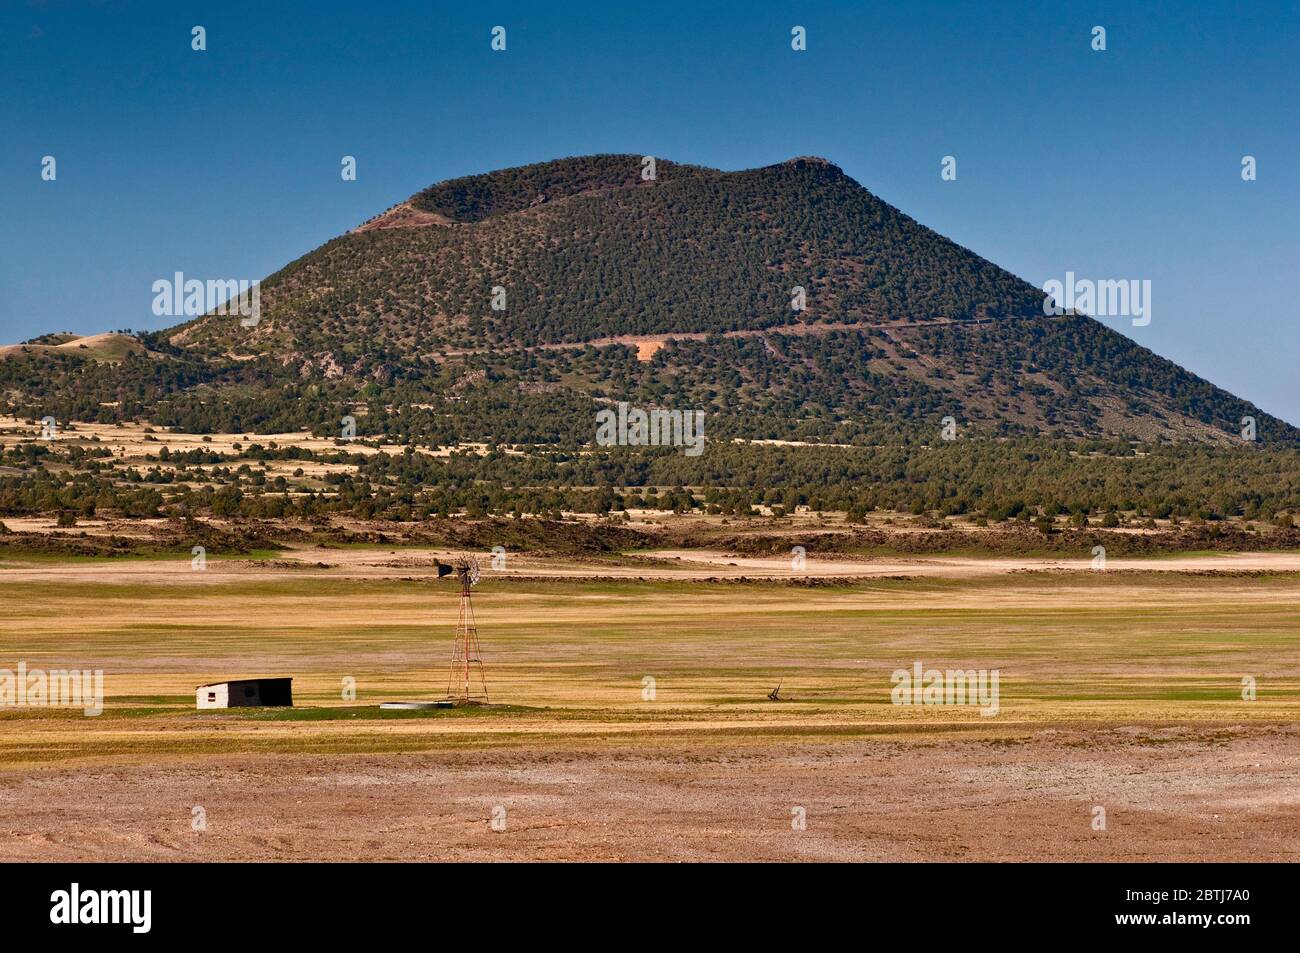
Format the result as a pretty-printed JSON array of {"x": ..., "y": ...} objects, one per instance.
[
  {"x": 1102, "y": 677},
  {"x": 571, "y": 657}
]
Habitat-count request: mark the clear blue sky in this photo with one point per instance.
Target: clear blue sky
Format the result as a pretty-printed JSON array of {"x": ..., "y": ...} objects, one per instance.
[{"x": 1122, "y": 164}]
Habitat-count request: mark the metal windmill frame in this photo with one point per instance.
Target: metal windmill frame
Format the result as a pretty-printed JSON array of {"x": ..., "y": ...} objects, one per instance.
[{"x": 466, "y": 656}]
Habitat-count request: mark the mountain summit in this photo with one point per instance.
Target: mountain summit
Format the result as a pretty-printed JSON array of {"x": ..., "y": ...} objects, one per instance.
[
  {"x": 787, "y": 302},
  {"x": 898, "y": 323},
  {"x": 587, "y": 248}
]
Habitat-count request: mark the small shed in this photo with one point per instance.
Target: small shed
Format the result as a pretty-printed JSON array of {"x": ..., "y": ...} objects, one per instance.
[{"x": 246, "y": 693}]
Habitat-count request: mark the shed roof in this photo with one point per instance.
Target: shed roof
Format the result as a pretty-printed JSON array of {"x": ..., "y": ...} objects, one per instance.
[{"x": 245, "y": 681}]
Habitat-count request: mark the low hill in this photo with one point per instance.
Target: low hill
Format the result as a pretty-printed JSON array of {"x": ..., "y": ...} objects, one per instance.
[{"x": 109, "y": 347}]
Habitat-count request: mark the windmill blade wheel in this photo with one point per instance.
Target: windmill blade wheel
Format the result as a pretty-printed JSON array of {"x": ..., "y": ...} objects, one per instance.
[{"x": 467, "y": 569}]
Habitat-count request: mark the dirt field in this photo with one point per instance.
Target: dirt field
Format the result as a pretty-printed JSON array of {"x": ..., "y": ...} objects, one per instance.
[
  {"x": 410, "y": 562},
  {"x": 631, "y": 719},
  {"x": 1169, "y": 794}
]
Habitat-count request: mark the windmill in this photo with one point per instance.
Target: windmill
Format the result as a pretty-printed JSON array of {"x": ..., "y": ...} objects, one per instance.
[{"x": 465, "y": 654}]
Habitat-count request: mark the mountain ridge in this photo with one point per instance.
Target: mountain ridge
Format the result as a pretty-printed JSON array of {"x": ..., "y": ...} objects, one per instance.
[
  {"x": 418, "y": 278},
  {"x": 553, "y": 287}
]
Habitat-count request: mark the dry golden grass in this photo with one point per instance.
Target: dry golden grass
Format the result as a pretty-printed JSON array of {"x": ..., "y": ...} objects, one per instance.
[{"x": 569, "y": 658}]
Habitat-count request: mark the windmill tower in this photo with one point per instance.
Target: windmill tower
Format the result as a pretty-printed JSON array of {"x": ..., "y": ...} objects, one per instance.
[{"x": 466, "y": 659}]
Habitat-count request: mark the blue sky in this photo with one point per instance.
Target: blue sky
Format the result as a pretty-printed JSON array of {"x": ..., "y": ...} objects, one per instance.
[{"x": 225, "y": 163}]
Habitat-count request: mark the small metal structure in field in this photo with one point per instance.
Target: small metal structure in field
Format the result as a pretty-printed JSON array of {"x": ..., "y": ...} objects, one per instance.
[
  {"x": 466, "y": 682},
  {"x": 466, "y": 657}
]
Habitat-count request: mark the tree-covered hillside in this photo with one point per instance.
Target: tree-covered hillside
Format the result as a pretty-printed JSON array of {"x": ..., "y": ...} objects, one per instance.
[{"x": 672, "y": 292}]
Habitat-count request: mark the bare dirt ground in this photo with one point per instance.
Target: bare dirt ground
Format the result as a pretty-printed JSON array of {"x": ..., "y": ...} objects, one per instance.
[
  {"x": 1168, "y": 794},
  {"x": 133, "y": 442},
  {"x": 379, "y": 562},
  {"x": 648, "y": 345}
]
